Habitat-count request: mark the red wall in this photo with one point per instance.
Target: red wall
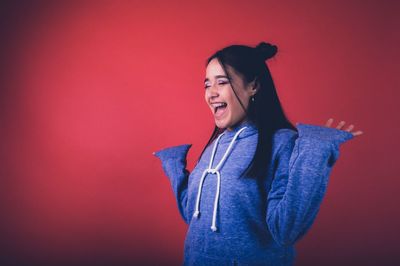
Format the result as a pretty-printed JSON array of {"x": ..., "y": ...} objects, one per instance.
[{"x": 89, "y": 90}]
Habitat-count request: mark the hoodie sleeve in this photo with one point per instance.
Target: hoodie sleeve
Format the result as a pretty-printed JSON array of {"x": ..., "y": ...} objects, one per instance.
[
  {"x": 303, "y": 165},
  {"x": 173, "y": 161}
]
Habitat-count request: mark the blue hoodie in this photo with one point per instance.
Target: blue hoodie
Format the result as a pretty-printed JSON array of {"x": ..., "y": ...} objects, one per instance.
[{"x": 242, "y": 221}]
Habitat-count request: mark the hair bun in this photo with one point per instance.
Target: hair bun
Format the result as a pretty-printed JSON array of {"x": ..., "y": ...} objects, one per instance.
[{"x": 266, "y": 50}]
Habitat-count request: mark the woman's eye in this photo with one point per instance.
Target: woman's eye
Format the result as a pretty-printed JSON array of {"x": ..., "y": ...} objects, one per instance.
[{"x": 220, "y": 82}]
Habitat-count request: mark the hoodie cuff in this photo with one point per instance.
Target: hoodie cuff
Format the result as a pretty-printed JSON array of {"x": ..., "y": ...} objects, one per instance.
[
  {"x": 174, "y": 152},
  {"x": 334, "y": 135}
]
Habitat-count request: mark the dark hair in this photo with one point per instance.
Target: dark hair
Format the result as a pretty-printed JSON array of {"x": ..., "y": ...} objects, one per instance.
[{"x": 265, "y": 111}]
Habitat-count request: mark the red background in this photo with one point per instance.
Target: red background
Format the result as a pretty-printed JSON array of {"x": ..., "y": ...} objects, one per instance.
[{"x": 89, "y": 90}]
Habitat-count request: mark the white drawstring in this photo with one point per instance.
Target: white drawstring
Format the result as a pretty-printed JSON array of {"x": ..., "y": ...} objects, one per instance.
[{"x": 215, "y": 170}]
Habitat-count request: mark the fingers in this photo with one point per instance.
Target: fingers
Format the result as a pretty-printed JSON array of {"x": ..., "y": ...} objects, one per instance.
[
  {"x": 340, "y": 125},
  {"x": 357, "y": 133},
  {"x": 349, "y": 128},
  {"x": 329, "y": 122}
]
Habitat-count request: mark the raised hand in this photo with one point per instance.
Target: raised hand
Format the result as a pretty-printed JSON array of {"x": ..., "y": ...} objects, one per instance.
[{"x": 341, "y": 124}]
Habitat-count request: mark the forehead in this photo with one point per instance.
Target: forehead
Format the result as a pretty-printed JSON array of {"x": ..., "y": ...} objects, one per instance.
[{"x": 214, "y": 68}]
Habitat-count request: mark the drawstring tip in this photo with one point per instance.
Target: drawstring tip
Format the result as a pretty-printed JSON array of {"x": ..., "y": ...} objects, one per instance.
[
  {"x": 196, "y": 214},
  {"x": 214, "y": 228}
]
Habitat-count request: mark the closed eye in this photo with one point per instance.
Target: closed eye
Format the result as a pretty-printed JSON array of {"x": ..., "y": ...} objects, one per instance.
[{"x": 220, "y": 82}]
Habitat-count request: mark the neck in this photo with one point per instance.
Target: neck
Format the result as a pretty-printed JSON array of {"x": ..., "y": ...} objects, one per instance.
[{"x": 237, "y": 125}]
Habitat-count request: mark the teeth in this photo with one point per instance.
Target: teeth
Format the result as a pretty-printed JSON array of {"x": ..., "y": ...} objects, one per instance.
[{"x": 216, "y": 105}]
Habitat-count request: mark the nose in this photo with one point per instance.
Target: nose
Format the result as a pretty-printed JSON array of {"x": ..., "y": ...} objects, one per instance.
[{"x": 212, "y": 92}]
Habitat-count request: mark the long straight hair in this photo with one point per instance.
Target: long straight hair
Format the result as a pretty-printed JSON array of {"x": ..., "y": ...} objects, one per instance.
[{"x": 265, "y": 111}]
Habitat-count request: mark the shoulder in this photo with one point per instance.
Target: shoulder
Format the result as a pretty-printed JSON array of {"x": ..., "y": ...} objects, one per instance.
[
  {"x": 283, "y": 138},
  {"x": 285, "y": 134}
]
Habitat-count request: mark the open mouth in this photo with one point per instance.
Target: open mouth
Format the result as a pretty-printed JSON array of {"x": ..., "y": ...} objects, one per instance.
[{"x": 219, "y": 108}]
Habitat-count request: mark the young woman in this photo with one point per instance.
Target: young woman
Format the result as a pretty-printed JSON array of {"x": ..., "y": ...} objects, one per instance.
[{"x": 259, "y": 182}]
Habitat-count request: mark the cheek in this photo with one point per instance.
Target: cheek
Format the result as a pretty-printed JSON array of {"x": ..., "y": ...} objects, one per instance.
[
  {"x": 230, "y": 97},
  {"x": 236, "y": 107}
]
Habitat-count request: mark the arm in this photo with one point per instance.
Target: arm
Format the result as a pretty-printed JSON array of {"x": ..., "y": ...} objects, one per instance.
[
  {"x": 300, "y": 180},
  {"x": 173, "y": 161}
]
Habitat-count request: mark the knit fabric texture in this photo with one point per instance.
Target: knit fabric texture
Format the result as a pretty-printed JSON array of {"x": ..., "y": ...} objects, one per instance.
[{"x": 258, "y": 221}]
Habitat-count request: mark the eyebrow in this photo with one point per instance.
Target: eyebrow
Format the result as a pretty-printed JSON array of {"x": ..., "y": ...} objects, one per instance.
[{"x": 217, "y": 76}]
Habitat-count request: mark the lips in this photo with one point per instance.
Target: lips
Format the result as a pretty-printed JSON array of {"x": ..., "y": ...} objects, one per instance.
[
  {"x": 218, "y": 105},
  {"x": 219, "y": 108}
]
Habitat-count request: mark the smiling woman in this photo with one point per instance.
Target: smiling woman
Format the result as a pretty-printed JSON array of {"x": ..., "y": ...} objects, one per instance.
[
  {"x": 259, "y": 181},
  {"x": 238, "y": 77},
  {"x": 221, "y": 98}
]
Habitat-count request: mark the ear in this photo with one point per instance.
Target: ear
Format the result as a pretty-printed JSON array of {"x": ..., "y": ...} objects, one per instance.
[{"x": 254, "y": 86}]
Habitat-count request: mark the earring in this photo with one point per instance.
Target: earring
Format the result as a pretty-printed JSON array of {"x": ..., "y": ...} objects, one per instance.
[{"x": 252, "y": 98}]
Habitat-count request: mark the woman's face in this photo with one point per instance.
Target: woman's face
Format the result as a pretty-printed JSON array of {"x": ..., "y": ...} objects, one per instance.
[{"x": 220, "y": 97}]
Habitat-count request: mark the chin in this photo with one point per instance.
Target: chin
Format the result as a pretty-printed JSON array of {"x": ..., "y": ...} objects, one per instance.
[
  {"x": 220, "y": 124},
  {"x": 225, "y": 122}
]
